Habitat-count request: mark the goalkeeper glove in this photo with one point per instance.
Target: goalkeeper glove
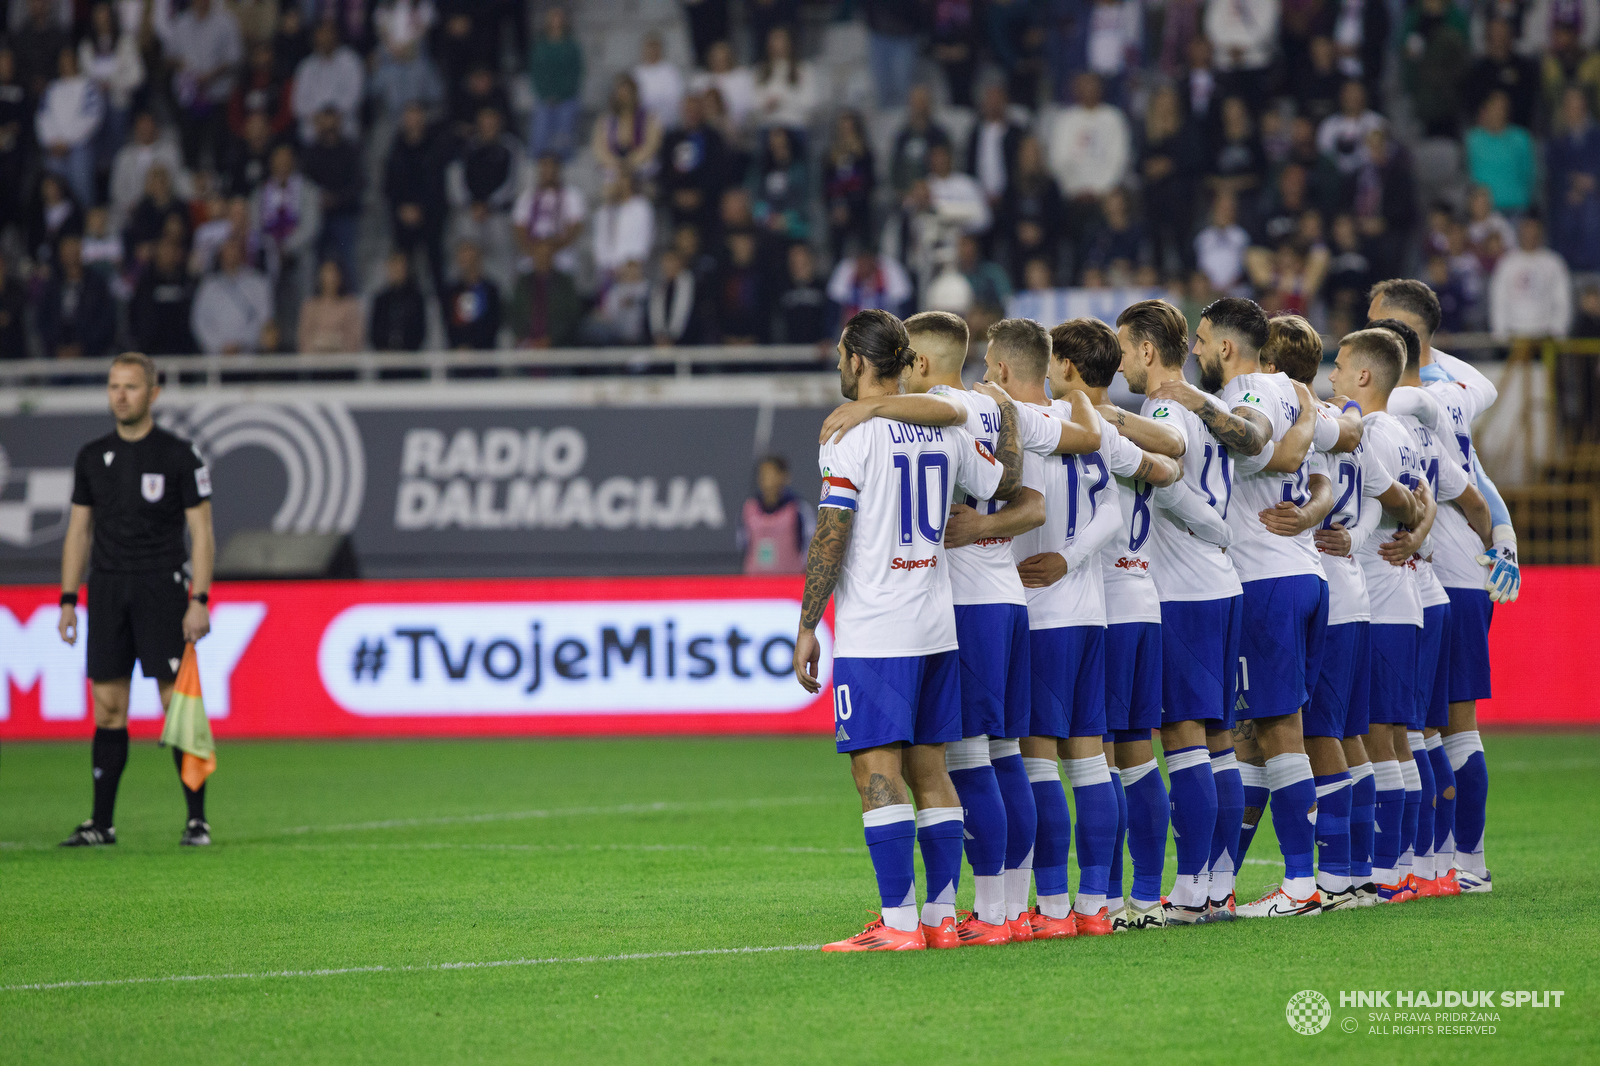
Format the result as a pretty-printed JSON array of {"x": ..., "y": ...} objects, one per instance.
[{"x": 1505, "y": 577}]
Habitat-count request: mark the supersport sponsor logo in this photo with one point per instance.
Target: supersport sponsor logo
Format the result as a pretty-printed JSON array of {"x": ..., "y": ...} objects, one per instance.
[
  {"x": 914, "y": 564},
  {"x": 1132, "y": 563}
]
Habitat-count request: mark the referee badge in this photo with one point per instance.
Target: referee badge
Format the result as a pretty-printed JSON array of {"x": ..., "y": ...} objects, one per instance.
[{"x": 152, "y": 487}]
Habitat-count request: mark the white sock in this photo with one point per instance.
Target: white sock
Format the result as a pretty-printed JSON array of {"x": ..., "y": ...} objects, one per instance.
[
  {"x": 901, "y": 918},
  {"x": 1384, "y": 877},
  {"x": 1088, "y": 903},
  {"x": 1190, "y": 891},
  {"x": 1220, "y": 886},
  {"x": 1330, "y": 883},
  {"x": 1144, "y": 904},
  {"x": 1114, "y": 907},
  {"x": 1299, "y": 887},
  {"x": 1019, "y": 882},
  {"x": 1055, "y": 906},
  {"x": 989, "y": 898},
  {"x": 1422, "y": 866}
]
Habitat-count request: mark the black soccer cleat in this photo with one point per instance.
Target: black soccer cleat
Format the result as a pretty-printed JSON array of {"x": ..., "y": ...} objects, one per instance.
[
  {"x": 197, "y": 834},
  {"x": 87, "y": 836}
]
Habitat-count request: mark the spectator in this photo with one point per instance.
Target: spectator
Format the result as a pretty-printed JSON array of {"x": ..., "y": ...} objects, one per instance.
[
  {"x": 955, "y": 47},
  {"x": 111, "y": 60},
  {"x": 330, "y": 322},
  {"x": 472, "y": 304},
  {"x": 1116, "y": 245},
  {"x": 623, "y": 227},
  {"x": 333, "y": 164},
  {"x": 1433, "y": 61},
  {"x": 1031, "y": 219},
  {"x": 1453, "y": 300},
  {"x": 291, "y": 43},
  {"x": 892, "y": 30},
  {"x": 330, "y": 77},
  {"x": 1281, "y": 207},
  {"x": 550, "y": 211},
  {"x": 545, "y": 309},
  {"x": 991, "y": 286},
  {"x": 76, "y": 316},
  {"x": 103, "y": 251},
  {"x": 233, "y": 220},
  {"x": 52, "y": 215},
  {"x": 204, "y": 46},
  {"x": 70, "y": 113},
  {"x": 148, "y": 220},
  {"x": 287, "y": 214},
  {"x": 163, "y": 301},
  {"x": 735, "y": 85},
  {"x": 402, "y": 25},
  {"x": 414, "y": 188},
  {"x": 1363, "y": 36},
  {"x": 626, "y": 138},
  {"x": 1568, "y": 64},
  {"x": 693, "y": 167},
  {"x": 708, "y": 26},
  {"x": 1483, "y": 221},
  {"x": 1242, "y": 34},
  {"x": 38, "y": 42},
  {"x": 957, "y": 198},
  {"x": 780, "y": 187},
  {"x": 15, "y": 114},
  {"x": 848, "y": 183},
  {"x": 1202, "y": 100},
  {"x": 1343, "y": 135},
  {"x": 1385, "y": 202},
  {"x": 480, "y": 89},
  {"x": 1236, "y": 161},
  {"x": 1500, "y": 155},
  {"x": 1573, "y": 160},
  {"x": 1220, "y": 247},
  {"x": 1316, "y": 84},
  {"x": 464, "y": 40},
  {"x": 1530, "y": 293},
  {"x": 1350, "y": 275},
  {"x": 908, "y": 163},
  {"x": 868, "y": 280},
  {"x": 257, "y": 20},
  {"x": 1016, "y": 37},
  {"x": 1115, "y": 34},
  {"x": 1089, "y": 144},
  {"x": 676, "y": 308},
  {"x": 1168, "y": 161},
  {"x": 1037, "y": 276},
  {"x": 775, "y": 527},
  {"x": 1498, "y": 68},
  {"x": 402, "y": 76},
  {"x": 785, "y": 86},
  {"x": 145, "y": 149},
  {"x": 763, "y": 16},
  {"x": 744, "y": 313},
  {"x": 261, "y": 90},
  {"x": 555, "y": 70},
  {"x": 660, "y": 82},
  {"x": 992, "y": 150},
  {"x": 13, "y": 305},
  {"x": 233, "y": 306},
  {"x": 805, "y": 315},
  {"x": 399, "y": 319},
  {"x": 618, "y": 317},
  {"x": 1288, "y": 279}
]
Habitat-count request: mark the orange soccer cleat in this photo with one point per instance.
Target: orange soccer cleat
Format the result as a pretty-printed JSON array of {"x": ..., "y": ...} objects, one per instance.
[
  {"x": 1047, "y": 928},
  {"x": 1097, "y": 924},
  {"x": 1448, "y": 885},
  {"x": 1427, "y": 888},
  {"x": 879, "y": 937},
  {"x": 1021, "y": 929},
  {"x": 943, "y": 935},
  {"x": 974, "y": 933}
]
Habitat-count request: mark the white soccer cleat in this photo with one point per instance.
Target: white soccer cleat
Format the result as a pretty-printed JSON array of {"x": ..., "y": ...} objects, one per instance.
[
  {"x": 1471, "y": 882},
  {"x": 1279, "y": 904},
  {"x": 1347, "y": 899},
  {"x": 1152, "y": 917}
]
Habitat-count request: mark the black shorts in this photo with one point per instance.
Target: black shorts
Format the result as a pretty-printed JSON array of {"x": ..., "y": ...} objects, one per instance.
[{"x": 136, "y": 616}]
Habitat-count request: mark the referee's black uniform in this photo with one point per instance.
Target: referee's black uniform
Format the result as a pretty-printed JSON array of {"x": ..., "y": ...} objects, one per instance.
[{"x": 138, "y": 591}]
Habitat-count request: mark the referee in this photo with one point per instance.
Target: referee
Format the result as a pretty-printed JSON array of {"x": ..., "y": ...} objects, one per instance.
[{"x": 134, "y": 491}]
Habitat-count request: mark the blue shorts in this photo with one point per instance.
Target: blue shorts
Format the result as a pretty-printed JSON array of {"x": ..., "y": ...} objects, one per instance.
[
  {"x": 1200, "y": 660},
  {"x": 1393, "y": 691},
  {"x": 1068, "y": 693},
  {"x": 1433, "y": 648},
  {"x": 1339, "y": 702},
  {"x": 913, "y": 699},
  {"x": 1470, "y": 613},
  {"x": 1133, "y": 677},
  {"x": 994, "y": 669},
  {"x": 1280, "y": 648}
]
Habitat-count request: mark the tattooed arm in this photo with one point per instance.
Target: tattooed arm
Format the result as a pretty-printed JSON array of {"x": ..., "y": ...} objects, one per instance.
[
  {"x": 823, "y": 564},
  {"x": 1159, "y": 470},
  {"x": 1149, "y": 434},
  {"x": 1008, "y": 449},
  {"x": 1242, "y": 431}
]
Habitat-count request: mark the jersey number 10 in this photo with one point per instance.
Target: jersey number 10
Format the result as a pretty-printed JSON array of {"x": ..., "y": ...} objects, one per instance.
[{"x": 922, "y": 508}]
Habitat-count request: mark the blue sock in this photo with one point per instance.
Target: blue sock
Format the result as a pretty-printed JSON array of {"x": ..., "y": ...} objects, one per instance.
[
  {"x": 1256, "y": 794},
  {"x": 1021, "y": 816},
  {"x": 1052, "y": 845},
  {"x": 1224, "y": 861},
  {"x": 939, "y": 832},
  {"x": 1333, "y": 832},
  {"x": 890, "y": 834},
  {"x": 1413, "y": 805},
  {"x": 1387, "y": 819},
  {"x": 1194, "y": 819},
  {"x": 1096, "y": 800},
  {"x": 1363, "y": 809},
  {"x": 1148, "y": 817},
  {"x": 985, "y": 818},
  {"x": 1444, "y": 810},
  {"x": 1114, "y": 890},
  {"x": 1472, "y": 796},
  {"x": 1423, "y": 841},
  {"x": 1294, "y": 819}
]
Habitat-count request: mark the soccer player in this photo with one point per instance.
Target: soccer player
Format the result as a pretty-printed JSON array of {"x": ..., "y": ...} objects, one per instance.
[
  {"x": 1285, "y": 593},
  {"x": 1473, "y": 580},
  {"x": 896, "y": 683},
  {"x": 135, "y": 491}
]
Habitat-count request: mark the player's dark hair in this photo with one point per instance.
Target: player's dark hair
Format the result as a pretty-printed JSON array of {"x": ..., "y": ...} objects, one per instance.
[
  {"x": 152, "y": 376},
  {"x": 1414, "y": 297},
  {"x": 1025, "y": 345},
  {"x": 1091, "y": 346},
  {"x": 1383, "y": 354},
  {"x": 881, "y": 339},
  {"x": 1163, "y": 326},
  {"x": 775, "y": 460},
  {"x": 1294, "y": 347},
  {"x": 941, "y": 324},
  {"x": 1407, "y": 335},
  {"x": 1240, "y": 317}
]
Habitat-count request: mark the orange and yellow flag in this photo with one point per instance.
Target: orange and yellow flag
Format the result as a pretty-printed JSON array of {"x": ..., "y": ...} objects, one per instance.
[{"x": 186, "y": 727}]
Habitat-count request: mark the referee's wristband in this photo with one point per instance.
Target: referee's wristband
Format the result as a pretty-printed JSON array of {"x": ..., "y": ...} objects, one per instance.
[
  {"x": 69, "y": 599},
  {"x": 202, "y": 598}
]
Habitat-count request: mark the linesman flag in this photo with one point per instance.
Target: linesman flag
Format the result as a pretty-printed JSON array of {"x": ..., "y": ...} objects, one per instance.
[{"x": 186, "y": 727}]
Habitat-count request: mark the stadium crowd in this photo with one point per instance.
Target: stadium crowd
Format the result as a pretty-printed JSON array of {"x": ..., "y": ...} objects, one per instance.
[{"x": 226, "y": 176}]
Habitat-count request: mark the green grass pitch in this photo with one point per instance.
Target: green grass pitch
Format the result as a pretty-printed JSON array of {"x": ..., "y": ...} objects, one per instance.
[{"x": 393, "y": 860}]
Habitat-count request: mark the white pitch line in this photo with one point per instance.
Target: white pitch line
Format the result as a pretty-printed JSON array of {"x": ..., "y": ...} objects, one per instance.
[{"x": 439, "y": 966}]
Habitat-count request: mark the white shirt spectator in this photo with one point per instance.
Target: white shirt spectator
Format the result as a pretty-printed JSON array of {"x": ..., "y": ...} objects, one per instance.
[
  {"x": 737, "y": 87},
  {"x": 960, "y": 200},
  {"x": 1242, "y": 32},
  {"x": 780, "y": 103},
  {"x": 623, "y": 233},
  {"x": 69, "y": 112},
  {"x": 1219, "y": 251},
  {"x": 230, "y": 310},
  {"x": 402, "y": 23},
  {"x": 201, "y": 46},
  {"x": 334, "y": 80},
  {"x": 546, "y": 214},
  {"x": 1115, "y": 30},
  {"x": 1089, "y": 149},
  {"x": 1345, "y": 138},
  {"x": 847, "y": 290},
  {"x": 118, "y": 72},
  {"x": 992, "y": 157},
  {"x": 1530, "y": 295},
  {"x": 660, "y": 91},
  {"x": 131, "y": 165}
]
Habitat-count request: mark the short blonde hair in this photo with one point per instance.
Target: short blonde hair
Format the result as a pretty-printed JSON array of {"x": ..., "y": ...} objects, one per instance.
[
  {"x": 1294, "y": 347},
  {"x": 152, "y": 376}
]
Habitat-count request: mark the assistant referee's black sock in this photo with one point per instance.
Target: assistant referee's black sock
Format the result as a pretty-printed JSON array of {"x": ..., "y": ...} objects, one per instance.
[
  {"x": 108, "y": 754},
  {"x": 194, "y": 797}
]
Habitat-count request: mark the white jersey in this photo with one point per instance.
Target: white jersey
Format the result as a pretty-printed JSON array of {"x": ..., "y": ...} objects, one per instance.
[
  {"x": 1257, "y": 552},
  {"x": 1186, "y": 567},
  {"x": 1391, "y": 590},
  {"x": 1130, "y": 593},
  {"x": 1446, "y": 481},
  {"x": 984, "y": 572},
  {"x": 893, "y": 596},
  {"x": 1456, "y": 546},
  {"x": 1358, "y": 478}
]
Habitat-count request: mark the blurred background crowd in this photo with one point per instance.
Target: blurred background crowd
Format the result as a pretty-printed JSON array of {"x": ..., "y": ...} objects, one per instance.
[{"x": 227, "y": 176}]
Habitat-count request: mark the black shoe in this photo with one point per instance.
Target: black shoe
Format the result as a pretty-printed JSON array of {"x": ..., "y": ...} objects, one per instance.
[
  {"x": 197, "y": 834},
  {"x": 87, "y": 836}
]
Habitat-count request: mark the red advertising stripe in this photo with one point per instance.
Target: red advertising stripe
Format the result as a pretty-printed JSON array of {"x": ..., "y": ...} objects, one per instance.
[{"x": 1543, "y": 651}]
